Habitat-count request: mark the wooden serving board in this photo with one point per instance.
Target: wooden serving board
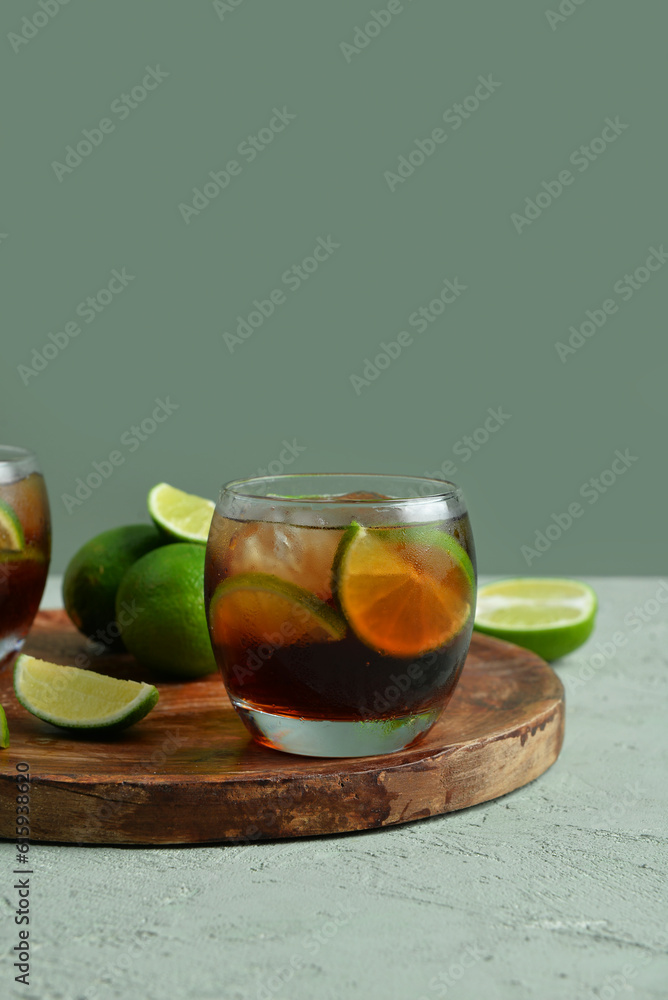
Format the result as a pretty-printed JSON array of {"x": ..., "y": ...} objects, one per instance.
[{"x": 190, "y": 773}]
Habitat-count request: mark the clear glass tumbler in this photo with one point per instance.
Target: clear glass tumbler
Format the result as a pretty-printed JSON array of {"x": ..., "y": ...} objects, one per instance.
[{"x": 340, "y": 607}]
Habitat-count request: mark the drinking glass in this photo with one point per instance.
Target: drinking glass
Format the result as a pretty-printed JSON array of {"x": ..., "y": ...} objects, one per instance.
[
  {"x": 25, "y": 546},
  {"x": 340, "y": 607}
]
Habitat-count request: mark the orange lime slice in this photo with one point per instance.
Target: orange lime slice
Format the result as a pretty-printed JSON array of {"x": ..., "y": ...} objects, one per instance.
[
  {"x": 404, "y": 591},
  {"x": 254, "y": 608}
]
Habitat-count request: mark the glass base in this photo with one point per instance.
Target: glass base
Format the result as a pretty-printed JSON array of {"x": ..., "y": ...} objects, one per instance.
[
  {"x": 10, "y": 646},
  {"x": 325, "y": 738}
]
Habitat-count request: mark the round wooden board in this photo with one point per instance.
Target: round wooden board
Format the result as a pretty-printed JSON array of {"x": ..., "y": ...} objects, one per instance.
[{"x": 190, "y": 773}]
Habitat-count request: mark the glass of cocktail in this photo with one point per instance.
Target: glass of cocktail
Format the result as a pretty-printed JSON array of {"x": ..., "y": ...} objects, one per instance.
[
  {"x": 25, "y": 545},
  {"x": 340, "y": 607}
]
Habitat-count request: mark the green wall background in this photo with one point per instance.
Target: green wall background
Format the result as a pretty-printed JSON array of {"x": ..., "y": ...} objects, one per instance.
[{"x": 556, "y": 79}]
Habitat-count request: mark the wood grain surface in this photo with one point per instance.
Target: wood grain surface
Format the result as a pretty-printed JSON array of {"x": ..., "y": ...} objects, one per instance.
[{"x": 190, "y": 773}]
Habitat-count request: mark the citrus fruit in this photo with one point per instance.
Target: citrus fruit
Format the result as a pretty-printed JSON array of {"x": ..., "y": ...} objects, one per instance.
[
  {"x": 169, "y": 632},
  {"x": 297, "y": 554},
  {"x": 94, "y": 573},
  {"x": 260, "y": 607},
  {"x": 402, "y": 593},
  {"x": 181, "y": 515},
  {"x": 4, "y": 730},
  {"x": 552, "y": 617},
  {"x": 80, "y": 699},
  {"x": 11, "y": 532}
]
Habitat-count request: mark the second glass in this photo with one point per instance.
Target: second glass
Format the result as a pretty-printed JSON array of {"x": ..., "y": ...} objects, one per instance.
[
  {"x": 25, "y": 546},
  {"x": 340, "y": 607}
]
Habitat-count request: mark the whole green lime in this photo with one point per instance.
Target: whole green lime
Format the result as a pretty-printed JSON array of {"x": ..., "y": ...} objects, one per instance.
[
  {"x": 94, "y": 573},
  {"x": 167, "y": 629}
]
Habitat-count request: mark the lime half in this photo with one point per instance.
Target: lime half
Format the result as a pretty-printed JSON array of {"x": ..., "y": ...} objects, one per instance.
[
  {"x": 549, "y": 616},
  {"x": 265, "y": 609},
  {"x": 11, "y": 532},
  {"x": 80, "y": 699},
  {"x": 181, "y": 515},
  {"x": 4, "y": 730}
]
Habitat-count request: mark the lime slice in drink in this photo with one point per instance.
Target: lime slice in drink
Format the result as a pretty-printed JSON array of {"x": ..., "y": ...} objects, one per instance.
[
  {"x": 11, "y": 532},
  {"x": 4, "y": 730},
  {"x": 427, "y": 536},
  {"x": 402, "y": 593},
  {"x": 265, "y": 609},
  {"x": 181, "y": 515},
  {"x": 552, "y": 617},
  {"x": 80, "y": 699}
]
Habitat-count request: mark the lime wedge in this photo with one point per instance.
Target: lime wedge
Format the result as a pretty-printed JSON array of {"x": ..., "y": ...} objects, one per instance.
[
  {"x": 80, "y": 699},
  {"x": 552, "y": 617},
  {"x": 263, "y": 608},
  {"x": 181, "y": 515},
  {"x": 4, "y": 730},
  {"x": 11, "y": 532}
]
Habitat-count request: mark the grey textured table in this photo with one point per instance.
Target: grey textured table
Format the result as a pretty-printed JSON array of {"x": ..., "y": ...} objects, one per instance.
[{"x": 555, "y": 891}]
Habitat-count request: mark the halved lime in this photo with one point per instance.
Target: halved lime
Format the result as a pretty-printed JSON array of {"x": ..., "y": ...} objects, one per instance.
[
  {"x": 4, "y": 730},
  {"x": 262, "y": 608},
  {"x": 11, "y": 532},
  {"x": 182, "y": 515},
  {"x": 80, "y": 699},
  {"x": 552, "y": 617},
  {"x": 404, "y": 591}
]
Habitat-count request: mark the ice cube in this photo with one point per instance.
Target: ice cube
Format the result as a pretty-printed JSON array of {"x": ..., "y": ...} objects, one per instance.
[{"x": 300, "y": 555}]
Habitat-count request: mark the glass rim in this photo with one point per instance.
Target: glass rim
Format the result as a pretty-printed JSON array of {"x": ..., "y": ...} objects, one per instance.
[
  {"x": 14, "y": 453},
  {"x": 236, "y": 488},
  {"x": 14, "y": 457}
]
